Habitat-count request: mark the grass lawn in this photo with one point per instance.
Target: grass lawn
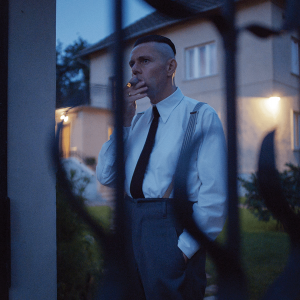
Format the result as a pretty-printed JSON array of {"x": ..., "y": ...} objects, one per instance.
[
  {"x": 264, "y": 253},
  {"x": 102, "y": 214}
]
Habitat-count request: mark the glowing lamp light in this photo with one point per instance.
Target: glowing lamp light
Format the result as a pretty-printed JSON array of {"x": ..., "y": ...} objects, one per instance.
[
  {"x": 272, "y": 104},
  {"x": 274, "y": 100},
  {"x": 64, "y": 118}
]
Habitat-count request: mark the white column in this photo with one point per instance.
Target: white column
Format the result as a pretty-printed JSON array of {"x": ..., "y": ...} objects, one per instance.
[{"x": 31, "y": 181}]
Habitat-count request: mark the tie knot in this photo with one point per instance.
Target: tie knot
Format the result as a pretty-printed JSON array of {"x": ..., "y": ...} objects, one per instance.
[{"x": 155, "y": 112}]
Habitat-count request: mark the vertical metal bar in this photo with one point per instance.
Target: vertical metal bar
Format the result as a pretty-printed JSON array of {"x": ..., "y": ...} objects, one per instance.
[
  {"x": 230, "y": 76},
  {"x": 298, "y": 37},
  {"x": 119, "y": 107},
  {"x": 4, "y": 200}
]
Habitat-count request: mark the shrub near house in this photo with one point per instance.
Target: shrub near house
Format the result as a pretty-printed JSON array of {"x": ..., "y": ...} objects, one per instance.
[
  {"x": 78, "y": 255},
  {"x": 290, "y": 182}
]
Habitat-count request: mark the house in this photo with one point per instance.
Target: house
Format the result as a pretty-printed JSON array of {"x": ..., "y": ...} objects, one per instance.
[
  {"x": 267, "y": 75},
  {"x": 85, "y": 130}
]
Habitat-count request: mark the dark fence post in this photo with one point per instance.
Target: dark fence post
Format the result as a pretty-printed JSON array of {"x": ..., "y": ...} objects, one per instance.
[
  {"x": 229, "y": 39},
  {"x": 4, "y": 200},
  {"x": 119, "y": 107}
]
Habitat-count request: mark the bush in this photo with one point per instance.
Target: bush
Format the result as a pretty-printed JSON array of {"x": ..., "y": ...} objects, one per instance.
[
  {"x": 78, "y": 255},
  {"x": 290, "y": 182}
]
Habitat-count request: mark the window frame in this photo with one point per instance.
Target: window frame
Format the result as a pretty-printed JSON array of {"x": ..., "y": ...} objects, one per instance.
[
  {"x": 197, "y": 70},
  {"x": 296, "y": 131},
  {"x": 295, "y": 51}
]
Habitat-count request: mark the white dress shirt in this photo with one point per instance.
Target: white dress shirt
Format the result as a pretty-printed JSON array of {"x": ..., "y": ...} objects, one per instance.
[{"x": 207, "y": 177}]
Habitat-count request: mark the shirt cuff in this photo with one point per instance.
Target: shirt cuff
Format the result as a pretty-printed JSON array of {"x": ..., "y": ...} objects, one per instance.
[{"x": 187, "y": 244}]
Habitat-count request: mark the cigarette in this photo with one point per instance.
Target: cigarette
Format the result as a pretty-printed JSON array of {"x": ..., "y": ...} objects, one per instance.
[{"x": 132, "y": 82}]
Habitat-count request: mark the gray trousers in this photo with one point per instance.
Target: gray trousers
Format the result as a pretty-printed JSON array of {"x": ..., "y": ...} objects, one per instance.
[{"x": 159, "y": 271}]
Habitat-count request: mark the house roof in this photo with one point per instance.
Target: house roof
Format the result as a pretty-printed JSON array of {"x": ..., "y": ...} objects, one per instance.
[{"x": 153, "y": 22}]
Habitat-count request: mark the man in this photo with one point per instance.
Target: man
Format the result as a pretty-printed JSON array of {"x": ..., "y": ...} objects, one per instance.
[{"x": 167, "y": 262}]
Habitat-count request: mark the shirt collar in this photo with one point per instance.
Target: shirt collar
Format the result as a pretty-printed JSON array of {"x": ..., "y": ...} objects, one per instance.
[{"x": 166, "y": 106}]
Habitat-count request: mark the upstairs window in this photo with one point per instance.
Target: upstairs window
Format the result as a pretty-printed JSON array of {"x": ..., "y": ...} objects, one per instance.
[
  {"x": 201, "y": 61},
  {"x": 295, "y": 56},
  {"x": 296, "y": 131}
]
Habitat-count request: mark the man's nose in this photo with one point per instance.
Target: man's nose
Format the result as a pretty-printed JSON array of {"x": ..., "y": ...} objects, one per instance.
[{"x": 135, "y": 69}]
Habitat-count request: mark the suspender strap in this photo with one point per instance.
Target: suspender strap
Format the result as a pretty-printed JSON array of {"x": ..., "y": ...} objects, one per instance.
[
  {"x": 169, "y": 190},
  {"x": 187, "y": 140},
  {"x": 190, "y": 128}
]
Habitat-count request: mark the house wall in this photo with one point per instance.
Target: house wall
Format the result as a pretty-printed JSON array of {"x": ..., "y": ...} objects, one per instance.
[
  {"x": 255, "y": 84},
  {"x": 100, "y": 72},
  {"x": 254, "y": 55},
  {"x": 89, "y": 129},
  {"x": 94, "y": 131},
  {"x": 101, "y": 67},
  {"x": 263, "y": 71},
  {"x": 286, "y": 85},
  {"x": 76, "y": 131},
  {"x": 282, "y": 54},
  {"x": 30, "y": 176}
]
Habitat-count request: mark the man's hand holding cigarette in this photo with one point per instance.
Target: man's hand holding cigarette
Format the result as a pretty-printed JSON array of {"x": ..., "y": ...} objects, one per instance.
[{"x": 134, "y": 90}]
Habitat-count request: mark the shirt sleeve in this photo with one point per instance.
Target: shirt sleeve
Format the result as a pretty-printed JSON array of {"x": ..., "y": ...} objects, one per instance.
[
  {"x": 105, "y": 170},
  {"x": 210, "y": 210}
]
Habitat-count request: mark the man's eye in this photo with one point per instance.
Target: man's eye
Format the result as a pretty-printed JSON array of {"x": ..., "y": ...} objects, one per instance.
[{"x": 145, "y": 61}]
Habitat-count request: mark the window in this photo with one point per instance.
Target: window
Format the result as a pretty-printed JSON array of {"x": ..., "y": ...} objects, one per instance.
[
  {"x": 200, "y": 61},
  {"x": 295, "y": 56},
  {"x": 296, "y": 131}
]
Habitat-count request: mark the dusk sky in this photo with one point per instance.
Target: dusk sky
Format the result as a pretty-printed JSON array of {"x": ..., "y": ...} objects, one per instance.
[{"x": 92, "y": 19}]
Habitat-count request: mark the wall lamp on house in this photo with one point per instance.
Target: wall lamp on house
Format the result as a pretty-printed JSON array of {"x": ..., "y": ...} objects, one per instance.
[
  {"x": 272, "y": 105},
  {"x": 64, "y": 117}
]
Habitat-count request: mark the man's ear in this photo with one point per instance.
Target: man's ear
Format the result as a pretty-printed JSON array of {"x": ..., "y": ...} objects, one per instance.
[{"x": 172, "y": 65}]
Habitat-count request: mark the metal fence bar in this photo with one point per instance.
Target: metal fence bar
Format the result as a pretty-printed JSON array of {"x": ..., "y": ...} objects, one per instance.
[
  {"x": 119, "y": 116},
  {"x": 5, "y": 252},
  {"x": 229, "y": 39}
]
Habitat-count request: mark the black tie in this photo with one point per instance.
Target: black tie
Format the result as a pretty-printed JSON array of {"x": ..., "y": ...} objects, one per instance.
[{"x": 139, "y": 172}]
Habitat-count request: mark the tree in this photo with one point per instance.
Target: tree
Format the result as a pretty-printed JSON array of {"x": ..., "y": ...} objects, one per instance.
[{"x": 72, "y": 75}]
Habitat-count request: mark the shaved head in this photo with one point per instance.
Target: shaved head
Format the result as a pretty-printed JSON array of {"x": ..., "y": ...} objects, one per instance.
[
  {"x": 164, "y": 50},
  {"x": 163, "y": 45},
  {"x": 156, "y": 38}
]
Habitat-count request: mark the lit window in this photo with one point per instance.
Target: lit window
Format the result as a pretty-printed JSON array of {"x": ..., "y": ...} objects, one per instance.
[
  {"x": 296, "y": 131},
  {"x": 200, "y": 61},
  {"x": 295, "y": 56}
]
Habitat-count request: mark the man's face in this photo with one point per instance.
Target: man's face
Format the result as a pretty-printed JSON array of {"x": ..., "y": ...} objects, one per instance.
[{"x": 148, "y": 65}]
